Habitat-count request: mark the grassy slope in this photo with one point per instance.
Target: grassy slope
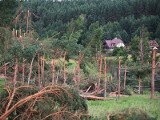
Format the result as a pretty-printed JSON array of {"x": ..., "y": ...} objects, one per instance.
[{"x": 101, "y": 108}]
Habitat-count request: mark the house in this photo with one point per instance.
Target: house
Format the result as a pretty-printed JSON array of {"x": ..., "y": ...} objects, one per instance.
[
  {"x": 111, "y": 44},
  {"x": 152, "y": 44}
]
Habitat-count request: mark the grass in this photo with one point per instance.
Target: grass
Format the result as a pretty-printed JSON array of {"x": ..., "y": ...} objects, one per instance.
[{"x": 101, "y": 108}]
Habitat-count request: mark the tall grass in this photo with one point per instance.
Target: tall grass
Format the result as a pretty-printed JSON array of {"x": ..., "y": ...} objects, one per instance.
[{"x": 102, "y": 108}]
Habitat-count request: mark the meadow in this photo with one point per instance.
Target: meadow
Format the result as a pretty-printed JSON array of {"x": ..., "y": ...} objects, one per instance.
[{"x": 100, "y": 109}]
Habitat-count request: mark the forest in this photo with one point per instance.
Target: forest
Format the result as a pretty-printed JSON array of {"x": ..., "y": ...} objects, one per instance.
[{"x": 52, "y": 53}]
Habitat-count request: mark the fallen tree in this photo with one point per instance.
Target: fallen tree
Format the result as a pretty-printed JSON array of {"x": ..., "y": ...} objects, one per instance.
[{"x": 26, "y": 102}]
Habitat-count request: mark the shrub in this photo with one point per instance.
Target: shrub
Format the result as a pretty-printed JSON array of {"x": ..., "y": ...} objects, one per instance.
[{"x": 131, "y": 114}]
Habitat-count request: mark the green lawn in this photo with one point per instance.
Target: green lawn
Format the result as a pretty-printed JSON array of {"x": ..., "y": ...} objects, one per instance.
[{"x": 101, "y": 108}]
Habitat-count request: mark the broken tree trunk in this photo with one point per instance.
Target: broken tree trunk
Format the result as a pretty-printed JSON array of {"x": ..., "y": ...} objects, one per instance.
[
  {"x": 42, "y": 68},
  {"x": 78, "y": 69},
  {"x": 57, "y": 77},
  {"x": 5, "y": 70},
  {"x": 105, "y": 77},
  {"x": 23, "y": 71},
  {"x": 139, "y": 85},
  {"x": 39, "y": 72},
  {"x": 27, "y": 23},
  {"x": 153, "y": 71},
  {"x": 119, "y": 76},
  {"x": 125, "y": 73},
  {"x": 100, "y": 72},
  {"x": 15, "y": 70},
  {"x": 52, "y": 65},
  {"x": 93, "y": 97},
  {"x": 64, "y": 68},
  {"x": 30, "y": 70}
]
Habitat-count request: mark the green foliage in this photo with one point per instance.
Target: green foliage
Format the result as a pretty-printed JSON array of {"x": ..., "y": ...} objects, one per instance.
[
  {"x": 127, "y": 16},
  {"x": 120, "y": 52},
  {"x": 140, "y": 46},
  {"x": 16, "y": 49},
  {"x": 132, "y": 114},
  {"x": 128, "y": 91},
  {"x": 1, "y": 84},
  {"x": 5, "y": 39},
  {"x": 7, "y": 12},
  {"x": 112, "y": 29},
  {"x": 93, "y": 40},
  {"x": 30, "y": 51}
]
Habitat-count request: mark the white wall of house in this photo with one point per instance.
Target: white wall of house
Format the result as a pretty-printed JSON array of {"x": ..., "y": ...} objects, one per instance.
[{"x": 120, "y": 45}]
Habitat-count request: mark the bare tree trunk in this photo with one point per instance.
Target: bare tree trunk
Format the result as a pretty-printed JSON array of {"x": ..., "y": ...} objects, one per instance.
[
  {"x": 64, "y": 68},
  {"x": 52, "y": 64},
  {"x": 13, "y": 33},
  {"x": 16, "y": 33},
  {"x": 139, "y": 85},
  {"x": 23, "y": 71},
  {"x": 30, "y": 70},
  {"x": 23, "y": 64},
  {"x": 15, "y": 70},
  {"x": 125, "y": 73},
  {"x": 153, "y": 72},
  {"x": 10, "y": 99},
  {"x": 100, "y": 73},
  {"x": 39, "y": 72},
  {"x": 20, "y": 32},
  {"x": 141, "y": 47},
  {"x": 27, "y": 23},
  {"x": 119, "y": 77},
  {"x": 42, "y": 68},
  {"x": 105, "y": 77},
  {"x": 78, "y": 69},
  {"x": 57, "y": 76},
  {"x": 5, "y": 70}
]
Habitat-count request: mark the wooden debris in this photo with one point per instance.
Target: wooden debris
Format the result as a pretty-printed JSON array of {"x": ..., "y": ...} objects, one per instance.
[{"x": 93, "y": 97}]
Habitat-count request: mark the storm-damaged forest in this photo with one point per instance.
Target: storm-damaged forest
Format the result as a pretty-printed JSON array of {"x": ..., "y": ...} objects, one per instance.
[{"x": 79, "y": 59}]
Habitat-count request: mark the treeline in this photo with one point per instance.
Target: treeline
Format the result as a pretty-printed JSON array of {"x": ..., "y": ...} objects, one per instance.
[
  {"x": 114, "y": 18},
  {"x": 117, "y": 18}
]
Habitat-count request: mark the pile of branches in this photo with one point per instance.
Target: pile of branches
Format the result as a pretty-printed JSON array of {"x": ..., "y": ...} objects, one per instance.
[{"x": 30, "y": 103}]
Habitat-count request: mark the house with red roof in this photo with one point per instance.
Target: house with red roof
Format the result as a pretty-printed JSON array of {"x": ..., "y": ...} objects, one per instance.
[
  {"x": 111, "y": 44},
  {"x": 153, "y": 43}
]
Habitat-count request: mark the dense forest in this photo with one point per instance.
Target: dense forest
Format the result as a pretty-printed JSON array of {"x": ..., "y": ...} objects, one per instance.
[
  {"x": 88, "y": 20},
  {"x": 113, "y": 18}
]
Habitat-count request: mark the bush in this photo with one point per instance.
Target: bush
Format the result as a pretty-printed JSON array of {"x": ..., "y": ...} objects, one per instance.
[
  {"x": 128, "y": 91},
  {"x": 131, "y": 114}
]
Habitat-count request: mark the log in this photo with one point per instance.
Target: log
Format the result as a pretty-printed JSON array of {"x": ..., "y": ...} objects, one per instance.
[{"x": 93, "y": 97}]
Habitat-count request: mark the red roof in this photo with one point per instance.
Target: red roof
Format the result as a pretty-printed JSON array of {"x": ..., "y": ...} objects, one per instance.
[
  {"x": 153, "y": 43},
  {"x": 112, "y": 43}
]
